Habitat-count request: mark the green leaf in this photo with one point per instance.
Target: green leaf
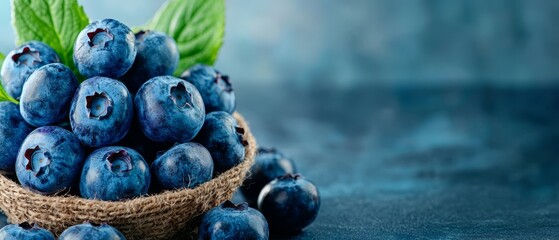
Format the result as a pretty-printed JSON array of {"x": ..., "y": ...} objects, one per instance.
[
  {"x": 2, "y": 59},
  {"x": 197, "y": 26},
  {"x": 5, "y": 97},
  {"x": 54, "y": 22}
]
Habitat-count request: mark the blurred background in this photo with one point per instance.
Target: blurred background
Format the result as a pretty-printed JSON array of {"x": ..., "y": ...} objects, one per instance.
[
  {"x": 416, "y": 118},
  {"x": 387, "y": 42}
]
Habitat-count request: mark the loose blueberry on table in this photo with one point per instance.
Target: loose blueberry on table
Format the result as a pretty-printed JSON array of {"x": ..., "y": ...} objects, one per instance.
[
  {"x": 289, "y": 203},
  {"x": 113, "y": 174},
  {"x": 224, "y": 138},
  {"x": 215, "y": 88},
  {"x": 158, "y": 55},
  {"x": 101, "y": 111},
  {"x": 23, "y": 61},
  {"x": 185, "y": 165},
  {"x": 49, "y": 160},
  {"x": 15, "y": 129},
  {"x": 169, "y": 109},
  {"x": 25, "y": 231},
  {"x": 104, "y": 48},
  {"x": 47, "y": 95},
  {"x": 268, "y": 164},
  {"x": 87, "y": 231},
  {"x": 234, "y": 222}
]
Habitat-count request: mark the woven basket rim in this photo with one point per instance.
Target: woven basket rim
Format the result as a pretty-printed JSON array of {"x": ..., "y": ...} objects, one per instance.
[{"x": 11, "y": 191}]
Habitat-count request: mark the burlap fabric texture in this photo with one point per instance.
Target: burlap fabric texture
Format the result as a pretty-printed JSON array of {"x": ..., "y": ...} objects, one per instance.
[{"x": 161, "y": 216}]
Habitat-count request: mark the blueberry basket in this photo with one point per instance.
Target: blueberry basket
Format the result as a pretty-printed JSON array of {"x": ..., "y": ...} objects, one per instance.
[{"x": 161, "y": 216}]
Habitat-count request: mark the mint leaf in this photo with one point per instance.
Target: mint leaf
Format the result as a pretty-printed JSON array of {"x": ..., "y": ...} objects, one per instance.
[
  {"x": 196, "y": 25},
  {"x": 54, "y": 22}
]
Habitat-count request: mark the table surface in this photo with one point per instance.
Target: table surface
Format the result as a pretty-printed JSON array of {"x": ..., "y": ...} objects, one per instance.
[
  {"x": 439, "y": 163},
  {"x": 428, "y": 163}
]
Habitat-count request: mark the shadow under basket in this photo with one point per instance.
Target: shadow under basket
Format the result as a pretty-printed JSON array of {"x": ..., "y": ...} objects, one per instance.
[{"x": 160, "y": 216}]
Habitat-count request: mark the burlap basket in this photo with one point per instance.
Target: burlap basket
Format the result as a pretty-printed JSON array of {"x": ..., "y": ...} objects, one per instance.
[{"x": 162, "y": 216}]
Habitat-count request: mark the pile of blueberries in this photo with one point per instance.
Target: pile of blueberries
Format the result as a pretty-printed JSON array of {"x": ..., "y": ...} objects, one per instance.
[{"x": 131, "y": 129}]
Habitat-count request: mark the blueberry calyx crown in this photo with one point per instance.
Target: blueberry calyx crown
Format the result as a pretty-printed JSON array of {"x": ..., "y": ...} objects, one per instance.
[
  {"x": 99, "y": 36},
  {"x": 181, "y": 96},
  {"x": 38, "y": 160},
  {"x": 140, "y": 34},
  {"x": 241, "y": 132},
  {"x": 27, "y": 56},
  {"x": 290, "y": 176},
  {"x": 26, "y": 225},
  {"x": 239, "y": 207},
  {"x": 119, "y": 161},
  {"x": 226, "y": 81},
  {"x": 99, "y": 105}
]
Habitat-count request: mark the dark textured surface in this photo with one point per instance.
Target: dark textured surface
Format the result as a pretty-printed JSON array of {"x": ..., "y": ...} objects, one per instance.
[{"x": 443, "y": 163}]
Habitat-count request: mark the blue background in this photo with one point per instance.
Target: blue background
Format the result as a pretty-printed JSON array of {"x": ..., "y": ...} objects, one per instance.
[{"x": 381, "y": 42}]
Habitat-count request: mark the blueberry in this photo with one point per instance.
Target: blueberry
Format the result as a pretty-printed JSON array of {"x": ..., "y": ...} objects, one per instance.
[
  {"x": 104, "y": 48},
  {"x": 114, "y": 173},
  {"x": 230, "y": 221},
  {"x": 214, "y": 87},
  {"x": 136, "y": 140},
  {"x": 268, "y": 165},
  {"x": 101, "y": 111},
  {"x": 185, "y": 165},
  {"x": 169, "y": 109},
  {"x": 13, "y": 130},
  {"x": 158, "y": 55},
  {"x": 49, "y": 160},
  {"x": 290, "y": 203},
  {"x": 25, "y": 231},
  {"x": 47, "y": 95},
  {"x": 23, "y": 61},
  {"x": 223, "y": 137},
  {"x": 86, "y": 231}
]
